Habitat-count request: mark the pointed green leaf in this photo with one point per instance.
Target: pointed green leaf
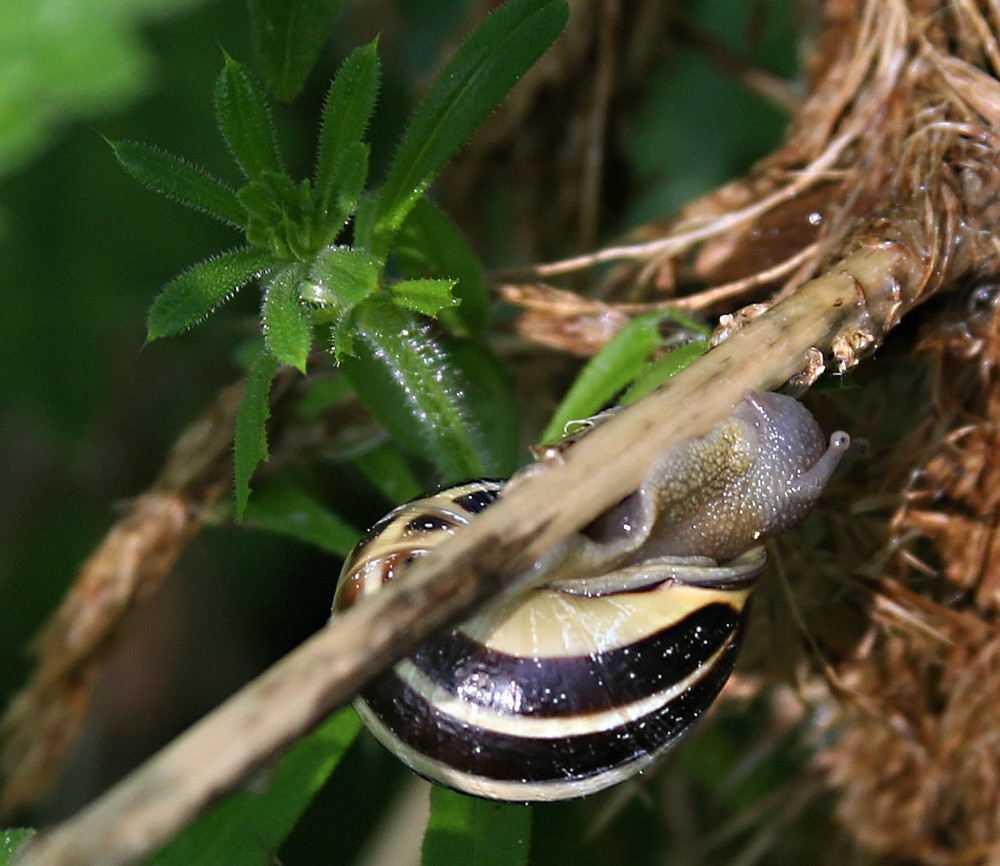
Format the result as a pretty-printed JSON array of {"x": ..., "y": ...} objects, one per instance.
[
  {"x": 341, "y": 277},
  {"x": 250, "y": 440},
  {"x": 248, "y": 826},
  {"x": 414, "y": 386},
  {"x": 347, "y": 187},
  {"x": 287, "y": 509},
  {"x": 11, "y": 843},
  {"x": 478, "y": 76},
  {"x": 610, "y": 370},
  {"x": 349, "y": 106},
  {"x": 287, "y": 324},
  {"x": 623, "y": 359},
  {"x": 342, "y": 338},
  {"x": 662, "y": 369},
  {"x": 180, "y": 180},
  {"x": 425, "y": 296},
  {"x": 288, "y": 36},
  {"x": 476, "y": 832},
  {"x": 190, "y": 297},
  {"x": 245, "y": 121},
  {"x": 429, "y": 244}
]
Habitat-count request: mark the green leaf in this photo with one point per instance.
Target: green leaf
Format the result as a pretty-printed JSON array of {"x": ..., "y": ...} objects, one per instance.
[
  {"x": 475, "y": 832},
  {"x": 349, "y": 105},
  {"x": 190, "y": 297},
  {"x": 342, "y": 277},
  {"x": 662, "y": 369},
  {"x": 347, "y": 185},
  {"x": 287, "y": 324},
  {"x": 429, "y": 244},
  {"x": 424, "y": 296},
  {"x": 603, "y": 377},
  {"x": 11, "y": 843},
  {"x": 491, "y": 403},
  {"x": 287, "y": 509},
  {"x": 412, "y": 384},
  {"x": 478, "y": 76},
  {"x": 288, "y": 36},
  {"x": 250, "y": 440},
  {"x": 386, "y": 468},
  {"x": 245, "y": 121},
  {"x": 247, "y": 827},
  {"x": 180, "y": 180}
]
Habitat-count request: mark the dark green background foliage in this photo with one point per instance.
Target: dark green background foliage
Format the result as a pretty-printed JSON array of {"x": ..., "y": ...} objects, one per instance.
[{"x": 88, "y": 410}]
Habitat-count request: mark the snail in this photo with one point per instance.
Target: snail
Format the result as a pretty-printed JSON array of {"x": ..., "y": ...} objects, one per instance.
[{"x": 626, "y": 637}]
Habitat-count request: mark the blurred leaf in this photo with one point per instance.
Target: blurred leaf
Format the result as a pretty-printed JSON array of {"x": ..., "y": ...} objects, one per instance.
[
  {"x": 190, "y": 297},
  {"x": 349, "y": 105},
  {"x": 388, "y": 470},
  {"x": 76, "y": 60},
  {"x": 424, "y": 296},
  {"x": 491, "y": 398},
  {"x": 662, "y": 369},
  {"x": 180, "y": 180},
  {"x": 479, "y": 75},
  {"x": 247, "y": 828},
  {"x": 245, "y": 121},
  {"x": 287, "y": 325},
  {"x": 288, "y": 510},
  {"x": 11, "y": 843},
  {"x": 288, "y": 36},
  {"x": 414, "y": 387},
  {"x": 429, "y": 244},
  {"x": 475, "y": 832},
  {"x": 250, "y": 440}
]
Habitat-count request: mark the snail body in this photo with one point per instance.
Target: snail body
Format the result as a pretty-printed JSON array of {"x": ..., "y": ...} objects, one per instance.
[{"x": 629, "y": 631}]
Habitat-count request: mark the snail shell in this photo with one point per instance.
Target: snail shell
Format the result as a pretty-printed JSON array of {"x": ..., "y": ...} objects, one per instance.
[{"x": 630, "y": 632}]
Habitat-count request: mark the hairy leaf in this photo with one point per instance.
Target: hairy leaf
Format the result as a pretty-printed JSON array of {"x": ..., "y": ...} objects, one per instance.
[
  {"x": 413, "y": 385},
  {"x": 287, "y": 324},
  {"x": 190, "y": 297},
  {"x": 349, "y": 105},
  {"x": 245, "y": 121},
  {"x": 250, "y": 441},
  {"x": 180, "y": 180},
  {"x": 429, "y": 244},
  {"x": 342, "y": 277},
  {"x": 424, "y": 296},
  {"x": 11, "y": 843}
]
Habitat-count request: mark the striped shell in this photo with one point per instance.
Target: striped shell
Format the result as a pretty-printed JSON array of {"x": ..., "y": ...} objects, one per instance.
[{"x": 584, "y": 681}]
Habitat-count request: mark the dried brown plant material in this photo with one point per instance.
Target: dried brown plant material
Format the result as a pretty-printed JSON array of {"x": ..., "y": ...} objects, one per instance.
[
  {"x": 951, "y": 507},
  {"x": 917, "y": 765},
  {"x": 896, "y": 142},
  {"x": 44, "y": 719}
]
